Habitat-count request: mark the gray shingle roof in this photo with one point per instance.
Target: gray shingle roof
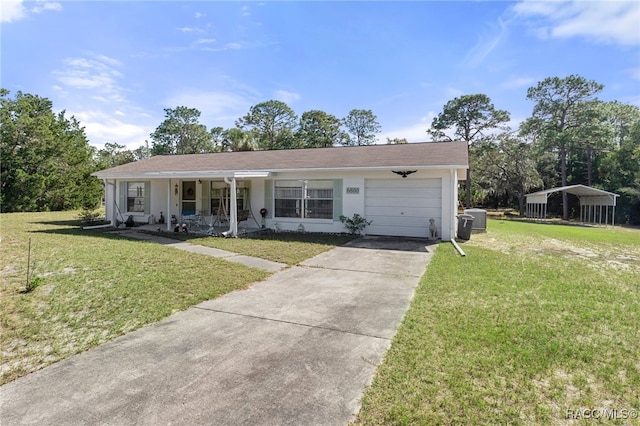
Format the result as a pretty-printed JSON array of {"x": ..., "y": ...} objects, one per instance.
[{"x": 413, "y": 155}]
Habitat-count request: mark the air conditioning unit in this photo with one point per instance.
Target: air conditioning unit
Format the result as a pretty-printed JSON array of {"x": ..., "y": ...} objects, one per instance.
[{"x": 479, "y": 219}]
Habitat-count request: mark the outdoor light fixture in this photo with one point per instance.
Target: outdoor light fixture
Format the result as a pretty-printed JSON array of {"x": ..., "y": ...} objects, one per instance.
[{"x": 175, "y": 188}]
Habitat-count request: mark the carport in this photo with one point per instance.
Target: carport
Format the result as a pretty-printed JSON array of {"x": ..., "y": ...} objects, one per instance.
[{"x": 595, "y": 204}]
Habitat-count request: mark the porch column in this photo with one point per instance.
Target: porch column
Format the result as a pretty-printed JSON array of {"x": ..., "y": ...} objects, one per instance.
[
  {"x": 167, "y": 219},
  {"x": 233, "y": 207}
]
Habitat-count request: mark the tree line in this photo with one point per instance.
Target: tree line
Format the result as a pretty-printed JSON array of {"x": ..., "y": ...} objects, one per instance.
[
  {"x": 571, "y": 137},
  {"x": 46, "y": 158},
  {"x": 267, "y": 126}
]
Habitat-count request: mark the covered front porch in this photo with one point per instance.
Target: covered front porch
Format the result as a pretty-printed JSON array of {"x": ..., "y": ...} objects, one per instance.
[
  {"x": 198, "y": 226},
  {"x": 214, "y": 204}
]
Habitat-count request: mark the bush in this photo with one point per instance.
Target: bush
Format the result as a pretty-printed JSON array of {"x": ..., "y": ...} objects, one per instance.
[
  {"x": 88, "y": 214},
  {"x": 628, "y": 206},
  {"x": 355, "y": 224}
]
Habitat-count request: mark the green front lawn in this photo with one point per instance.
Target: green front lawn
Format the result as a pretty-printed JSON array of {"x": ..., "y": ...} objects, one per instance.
[
  {"x": 284, "y": 247},
  {"x": 93, "y": 286},
  {"x": 536, "y": 325}
]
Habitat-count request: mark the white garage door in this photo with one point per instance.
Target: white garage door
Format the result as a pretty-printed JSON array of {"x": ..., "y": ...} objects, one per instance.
[{"x": 403, "y": 207}]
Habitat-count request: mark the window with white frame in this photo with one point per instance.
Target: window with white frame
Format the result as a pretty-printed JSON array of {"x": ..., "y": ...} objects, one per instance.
[
  {"x": 310, "y": 199},
  {"x": 135, "y": 197}
]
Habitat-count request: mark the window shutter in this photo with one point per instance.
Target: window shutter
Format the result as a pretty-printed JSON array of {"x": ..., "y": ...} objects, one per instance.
[
  {"x": 337, "y": 199},
  {"x": 268, "y": 197},
  {"x": 147, "y": 197}
]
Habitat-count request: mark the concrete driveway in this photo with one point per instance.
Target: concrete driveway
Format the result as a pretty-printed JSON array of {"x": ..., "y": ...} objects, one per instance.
[{"x": 296, "y": 349}]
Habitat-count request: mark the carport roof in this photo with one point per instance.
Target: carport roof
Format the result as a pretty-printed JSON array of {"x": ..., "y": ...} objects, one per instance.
[
  {"x": 578, "y": 190},
  {"x": 586, "y": 194},
  {"x": 429, "y": 155}
]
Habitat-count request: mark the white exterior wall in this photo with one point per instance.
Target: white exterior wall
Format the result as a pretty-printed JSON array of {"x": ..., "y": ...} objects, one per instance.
[
  {"x": 163, "y": 198},
  {"x": 310, "y": 225}
]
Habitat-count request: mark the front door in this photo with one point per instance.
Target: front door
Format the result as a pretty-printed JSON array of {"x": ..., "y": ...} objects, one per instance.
[{"x": 188, "y": 198}]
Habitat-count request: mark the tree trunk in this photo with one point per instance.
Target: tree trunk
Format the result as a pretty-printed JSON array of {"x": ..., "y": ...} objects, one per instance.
[
  {"x": 589, "y": 165},
  {"x": 468, "y": 189},
  {"x": 563, "y": 173},
  {"x": 521, "y": 199}
]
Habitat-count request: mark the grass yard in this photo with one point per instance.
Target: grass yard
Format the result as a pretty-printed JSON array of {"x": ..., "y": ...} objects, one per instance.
[
  {"x": 284, "y": 247},
  {"x": 93, "y": 286},
  {"x": 538, "y": 324}
]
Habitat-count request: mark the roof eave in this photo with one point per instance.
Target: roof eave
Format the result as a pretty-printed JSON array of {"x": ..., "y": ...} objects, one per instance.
[{"x": 204, "y": 174}]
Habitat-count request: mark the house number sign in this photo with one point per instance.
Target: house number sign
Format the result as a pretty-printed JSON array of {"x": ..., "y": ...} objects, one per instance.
[{"x": 353, "y": 190}]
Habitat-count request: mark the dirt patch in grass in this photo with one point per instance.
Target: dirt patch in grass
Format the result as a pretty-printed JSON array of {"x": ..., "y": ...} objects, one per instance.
[{"x": 603, "y": 255}]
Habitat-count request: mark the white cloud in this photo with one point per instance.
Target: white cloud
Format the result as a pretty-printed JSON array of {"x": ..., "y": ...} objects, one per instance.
[
  {"x": 234, "y": 45},
  {"x": 602, "y": 21},
  {"x": 190, "y": 30},
  {"x": 12, "y": 10},
  {"x": 412, "y": 133},
  {"x": 515, "y": 122},
  {"x": 286, "y": 96},
  {"x": 92, "y": 92},
  {"x": 86, "y": 73},
  {"x": 454, "y": 92},
  {"x": 42, "y": 6},
  {"x": 205, "y": 41},
  {"x": 101, "y": 128},
  {"x": 516, "y": 82},
  {"x": 487, "y": 43},
  {"x": 417, "y": 132},
  {"x": 83, "y": 80},
  {"x": 59, "y": 89},
  {"x": 107, "y": 60},
  {"x": 218, "y": 108},
  {"x": 199, "y": 15}
]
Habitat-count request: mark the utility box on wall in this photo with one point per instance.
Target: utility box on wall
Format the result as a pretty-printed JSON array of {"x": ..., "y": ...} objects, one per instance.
[{"x": 479, "y": 219}]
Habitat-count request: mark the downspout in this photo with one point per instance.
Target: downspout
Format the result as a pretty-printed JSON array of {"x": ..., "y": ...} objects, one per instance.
[
  {"x": 454, "y": 210},
  {"x": 233, "y": 207},
  {"x": 457, "y": 247}
]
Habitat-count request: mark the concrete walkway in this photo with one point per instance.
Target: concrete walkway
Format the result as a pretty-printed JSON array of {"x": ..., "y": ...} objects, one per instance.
[
  {"x": 296, "y": 349},
  {"x": 253, "y": 262}
]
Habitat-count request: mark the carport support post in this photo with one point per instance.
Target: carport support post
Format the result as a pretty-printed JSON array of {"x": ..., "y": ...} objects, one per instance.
[{"x": 613, "y": 213}]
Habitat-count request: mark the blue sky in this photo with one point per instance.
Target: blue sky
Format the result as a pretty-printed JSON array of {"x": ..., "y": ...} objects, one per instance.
[{"x": 117, "y": 65}]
